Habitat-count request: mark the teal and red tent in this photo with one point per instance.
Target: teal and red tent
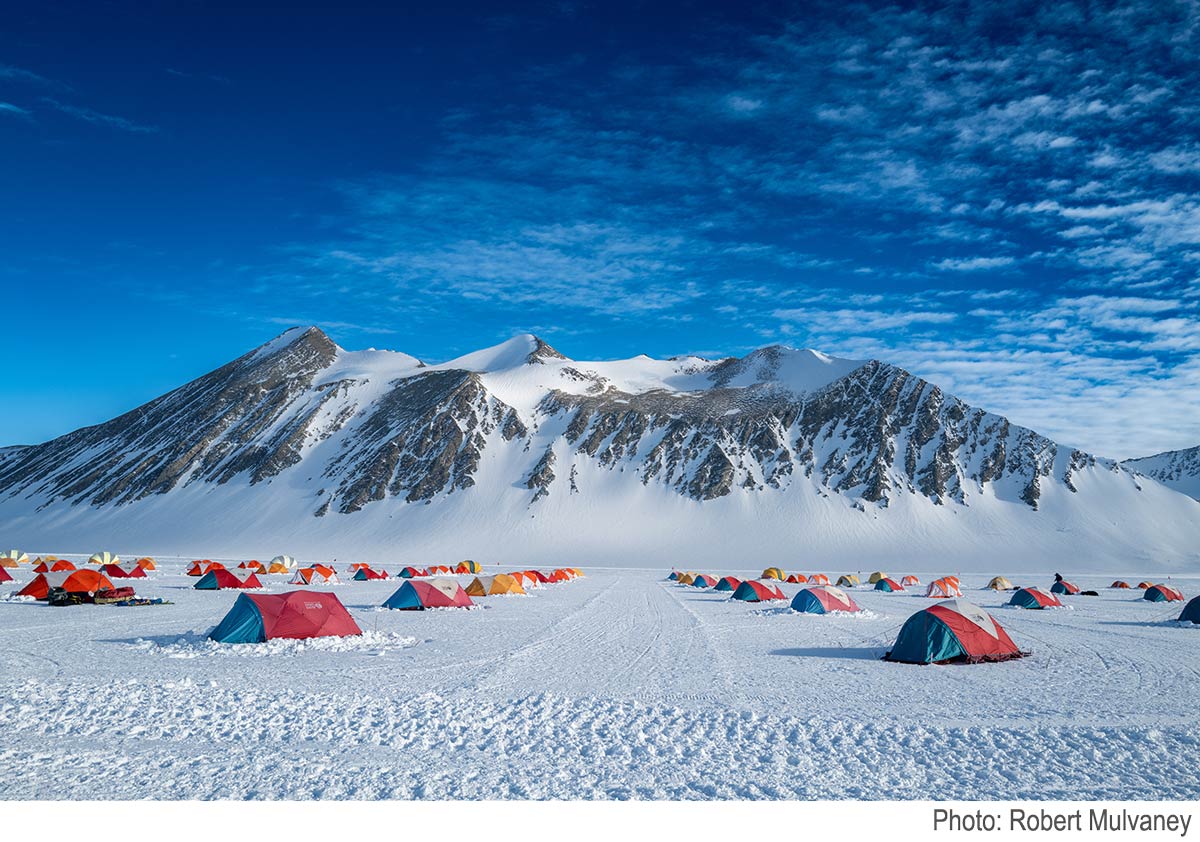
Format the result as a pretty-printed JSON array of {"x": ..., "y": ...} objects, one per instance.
[
  {"x": 823, "y": 599},
  {"x": 257, "y": 618},
  {"x": 1035, "y": 598},
  {"x": 412, "y": 572},
  {"x": 954, "y": 631},
  {"x": 219, "y": 580},
  {"x": 419, "y": 594},
  {"x": 888, "y": 585},
  {"x": 727, "y": 583},
  {"x": 703, "y": 581},
  {"x": 366, "y": 574},
  {"x": 1062, "y": 586},
  {"x": 1163, "y": 593},
  {"x": 752, "y": 590}
]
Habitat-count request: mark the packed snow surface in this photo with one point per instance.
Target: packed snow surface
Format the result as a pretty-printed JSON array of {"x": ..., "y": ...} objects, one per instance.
[{"x": 617, "y": 685}]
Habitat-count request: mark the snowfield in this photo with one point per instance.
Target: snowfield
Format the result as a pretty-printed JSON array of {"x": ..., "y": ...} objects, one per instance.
[{"x": 619, "y": 685}]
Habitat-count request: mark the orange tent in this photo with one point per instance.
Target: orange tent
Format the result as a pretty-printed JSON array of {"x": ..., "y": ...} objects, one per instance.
[
  {"x": 910, "y": 580},
  {"x": 318, "y": 574},
  {"x": 1144, "y": 585},
  {"x": 576, "y": 571},
  {"x": 72, "y": 581},
  {"x": 944, "y": 588},
  {"x": 199, "y": 568},
  {"x": 797, "y": 579},
  {"x": 53, "y": 565},
  {"x": 256, "y": 566},
  {"x": 819, "y": 579},
  {"x": 146, "y": 563}
]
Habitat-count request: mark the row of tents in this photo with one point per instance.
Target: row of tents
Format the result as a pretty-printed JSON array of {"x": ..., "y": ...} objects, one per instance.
[{"x": 257, "y": 618}]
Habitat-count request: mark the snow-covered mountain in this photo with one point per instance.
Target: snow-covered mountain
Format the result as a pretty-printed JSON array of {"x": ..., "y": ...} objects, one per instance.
[
  {"x": 1177, "y": 469},
  {"x": 518, "y": 453}
]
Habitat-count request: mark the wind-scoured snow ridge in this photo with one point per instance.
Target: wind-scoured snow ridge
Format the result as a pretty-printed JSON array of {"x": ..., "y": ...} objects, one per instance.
[
  {"x": 1177, "y": 469},
  {"x": 517, "y": 451}
]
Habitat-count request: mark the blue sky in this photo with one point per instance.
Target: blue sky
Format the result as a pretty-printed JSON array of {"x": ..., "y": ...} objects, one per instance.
[{"x": 1001, "y": 197}]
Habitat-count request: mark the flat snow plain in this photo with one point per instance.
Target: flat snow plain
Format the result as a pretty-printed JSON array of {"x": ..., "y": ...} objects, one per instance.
[{"x": 617, "y": 685}]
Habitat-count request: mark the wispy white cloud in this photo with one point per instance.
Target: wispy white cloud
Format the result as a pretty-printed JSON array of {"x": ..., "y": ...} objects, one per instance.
[{"x": 92, "y": 116}]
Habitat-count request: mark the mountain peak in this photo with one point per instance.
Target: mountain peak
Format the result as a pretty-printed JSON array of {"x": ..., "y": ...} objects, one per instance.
[{"x": 523, "y": 349}]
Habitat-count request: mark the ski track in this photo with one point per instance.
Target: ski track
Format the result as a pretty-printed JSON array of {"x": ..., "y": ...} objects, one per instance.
[{"x": 616, "y": 686}]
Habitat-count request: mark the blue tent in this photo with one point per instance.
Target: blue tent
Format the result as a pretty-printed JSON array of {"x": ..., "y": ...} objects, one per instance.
[
  {"x": 952, "y": 631},
  {"x": 243, "y": 624},
  {"x": 727, "y": 583},
  {"x": 1191, "y": 612}
]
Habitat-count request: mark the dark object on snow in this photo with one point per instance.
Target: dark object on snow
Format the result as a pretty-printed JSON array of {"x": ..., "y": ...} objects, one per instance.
[
  {"x": 141, "y": 600},
  {"x": 1089, "y": 593},
  {"x": 58, "y": 597},
  {"x": 111, "y": 595}
]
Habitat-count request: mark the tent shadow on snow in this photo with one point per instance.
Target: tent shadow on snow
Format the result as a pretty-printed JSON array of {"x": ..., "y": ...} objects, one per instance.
[
  {"x": 831, "y": 652},
  {"x": 188, "y": 637}
]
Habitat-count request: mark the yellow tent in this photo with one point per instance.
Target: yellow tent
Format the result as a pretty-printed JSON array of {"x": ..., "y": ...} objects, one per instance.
[
  {"x": 468, "y": 566},
  {"x": 104, "y": 558},
  {"x": 1000, "y": 584},
  {"x": 848, "y": 581},
  {"x": 773, "y": 573},
  {"x": 501, "y": 583},
  {"x": 576, "y": 571},
  {"x": 877, "y": 576},
  {"x": 685, "y": 578},
  {"x": 11, "y": 558}
]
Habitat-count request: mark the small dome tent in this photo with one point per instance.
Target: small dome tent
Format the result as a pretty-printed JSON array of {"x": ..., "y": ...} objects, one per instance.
[
  {"x": 1191, "y": 612},
  {"x": 773, "y": 573},
  {"x": 1163, "y": 593},
  {"x": 877, "y": 576},
  {"x": 754, "y": 591},
  {"x": 222, "y": 580},
  {"x": 819, "y": 579},
  {"x": 848, "y": 581},
  {"x": 944, "y": 588},
  {"x": 366, "y": 574},
  {"x": 824, "y": 599},
  {"x": 317, "y": 575},
  {"x": 53, "y": 565},
  {"x": 1035, "y": 598},
  {"x": 104, "y": 558},
  {"x": 704, "y": 581},
  {"x": 1062, "y": 586},
  {"x": 999, "y": 583},
  {"x": 954, "y": 631},
  {"x": 797, "y": 579},
  {"x": 497, "y": 585},
  {"x": 468, "y": 566},
  {"x": 888, "y": 585},
  {"x": 13, "y": 558},
  {"x": 909, "y": 581},
  {"x": 1119, "y": 584},
  {"x": 727, "y": 583},
  {"x": 420, "y": 594},
  {"x": 284, "y": 561},
  {"x": 120, "y": 571},
  {"x": 296, "y": 615}
]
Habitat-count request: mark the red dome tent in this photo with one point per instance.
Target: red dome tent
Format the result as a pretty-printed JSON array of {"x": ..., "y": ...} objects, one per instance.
[
  {"x": 419, "y": 594},
  {"x": 824, "y": 599},
  {"x": 797, "y": 579},
  {"x": 53, "y": 566},
  {"x": 727, "y": 583},
  {"x": 117, "y": 571},
  {"x": 1119, "y": 584},
  {"x": 954, "y": 631},
  {"x": 703, "y": 581},
  {"x": 1035, "y": 598},
  {"x": 297, "y": 615},
  {"x": 5, "y": 576},
  {"x": 220, "y": 580},
  {"x": 1163, "y": 593},
  {"x": 752, "y": 590}
]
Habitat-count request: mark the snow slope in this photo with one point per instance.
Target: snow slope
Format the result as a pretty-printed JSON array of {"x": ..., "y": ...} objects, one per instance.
[{"x": 619, "y": 685}]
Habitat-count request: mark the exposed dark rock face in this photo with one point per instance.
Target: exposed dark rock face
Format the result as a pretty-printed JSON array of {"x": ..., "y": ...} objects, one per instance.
[{"x": 196, "y": 433}]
